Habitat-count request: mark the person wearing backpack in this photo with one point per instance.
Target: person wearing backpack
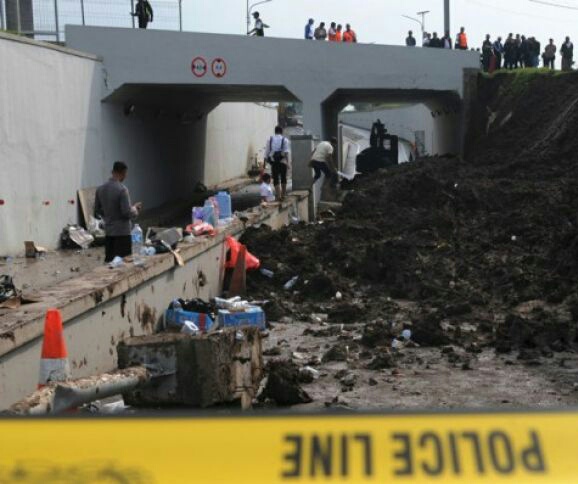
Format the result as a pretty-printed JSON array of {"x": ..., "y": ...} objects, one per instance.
[{"x": 277, "y": 154}]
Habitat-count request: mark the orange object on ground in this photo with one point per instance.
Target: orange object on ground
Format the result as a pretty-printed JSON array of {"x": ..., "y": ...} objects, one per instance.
[
  {"x": 235, "y": 247},
  {"x": 54, "y": 360}
]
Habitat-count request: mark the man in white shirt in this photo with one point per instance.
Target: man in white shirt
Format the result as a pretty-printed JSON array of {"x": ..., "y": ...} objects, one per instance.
[
  {"x": 259, "y": 30},
  {"x": 277, "y": 154},
  {"x": 322, "y": 159},
  {"x": 265, "y": 189}
]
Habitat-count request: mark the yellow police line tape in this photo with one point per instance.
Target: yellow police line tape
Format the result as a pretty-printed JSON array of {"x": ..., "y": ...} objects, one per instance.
[{"x": 409, "y": 448}]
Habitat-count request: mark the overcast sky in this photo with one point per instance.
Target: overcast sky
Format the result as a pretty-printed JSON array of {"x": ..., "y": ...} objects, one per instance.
[{"x": 381, "y": 21}]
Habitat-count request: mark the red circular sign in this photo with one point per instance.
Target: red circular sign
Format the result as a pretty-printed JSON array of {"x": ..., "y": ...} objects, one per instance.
[
  {"x": 199, "y": 66},
  {"x": 219, "y": 67}
]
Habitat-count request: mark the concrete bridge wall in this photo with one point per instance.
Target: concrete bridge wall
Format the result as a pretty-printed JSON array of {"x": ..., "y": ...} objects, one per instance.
[
  {"x": 102, "y": 307},
  {"x": 56, "y": 136},
  {"x": 176, "y": 70}
]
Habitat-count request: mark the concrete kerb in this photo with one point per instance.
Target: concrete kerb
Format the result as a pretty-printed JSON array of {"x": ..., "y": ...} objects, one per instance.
[{"x": 78, "y": 296}]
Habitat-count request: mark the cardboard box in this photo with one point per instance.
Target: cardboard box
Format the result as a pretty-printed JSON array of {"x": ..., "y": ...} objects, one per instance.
[
  {"x": 252, "y": 316},
  {"x": 177, "y": 318}
]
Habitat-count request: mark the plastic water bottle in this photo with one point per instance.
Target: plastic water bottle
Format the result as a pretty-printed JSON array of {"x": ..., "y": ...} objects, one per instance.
[
  {"x": 137, "y": 245},
  {"x": 267, "y": 273},
  {"x": 290, "y": 284},
  {"x": 177, "y": 307},
  {"x": 224, "y": 201},
  {"x": 190, "y": 328},
  {"x": 209, "y": 213}
]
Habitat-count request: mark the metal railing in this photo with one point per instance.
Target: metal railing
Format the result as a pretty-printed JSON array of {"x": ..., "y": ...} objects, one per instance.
[{"x": 46, "y": 19}]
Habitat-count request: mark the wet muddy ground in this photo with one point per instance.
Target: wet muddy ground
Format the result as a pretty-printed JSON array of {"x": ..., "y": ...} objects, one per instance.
[
  {"x": 52, "y": 268},
  {"x": 434, "y": 378},
  {"x": 477, "y": 257}
]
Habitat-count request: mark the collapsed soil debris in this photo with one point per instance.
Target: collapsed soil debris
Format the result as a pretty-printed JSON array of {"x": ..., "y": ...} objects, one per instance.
[{"x": 473, "y": 241}]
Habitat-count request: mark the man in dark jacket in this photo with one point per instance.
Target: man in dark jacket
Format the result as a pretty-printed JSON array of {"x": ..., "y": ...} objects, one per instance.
[
  {"x": 112, "y": 203},
  {"x": 144, "y": 12},
  {"x": 510, "y": 52},
  {"x": 410, "y": 39},
  {"x": 567, "y": 51},
  {"x": 523, "y": 52},
  {"x": 435, "y": 41},
  {"x": 549, "y": 55},
  {"x": 535, "y": 52},
  {"x": 486, "y": 53},
  {"x": 518, "y": 59}
]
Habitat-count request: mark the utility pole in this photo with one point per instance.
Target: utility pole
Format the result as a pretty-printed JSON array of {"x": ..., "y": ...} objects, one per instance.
[
  {"x": 420, "y": 22},
  {"x": 447, "y": 16},
  {"x": 422, "y": 15},
  {"x": 248, "y": 19}
]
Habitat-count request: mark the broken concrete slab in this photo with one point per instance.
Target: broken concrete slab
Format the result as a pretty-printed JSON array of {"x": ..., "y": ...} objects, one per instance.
[{"x": 199, "y": 371}]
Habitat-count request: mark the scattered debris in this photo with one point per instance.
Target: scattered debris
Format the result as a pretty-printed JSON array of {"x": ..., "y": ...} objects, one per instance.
[{"x": 283, "y": 384}]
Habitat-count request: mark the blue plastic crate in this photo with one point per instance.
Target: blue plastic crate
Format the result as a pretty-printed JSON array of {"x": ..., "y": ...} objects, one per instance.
[
  {"x": 252, "y": 316},
  {"x": 177, "y": 318}
]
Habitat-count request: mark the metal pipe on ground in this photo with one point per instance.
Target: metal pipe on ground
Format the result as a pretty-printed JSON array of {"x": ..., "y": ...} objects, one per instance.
[{"x": 59, "y": 397}]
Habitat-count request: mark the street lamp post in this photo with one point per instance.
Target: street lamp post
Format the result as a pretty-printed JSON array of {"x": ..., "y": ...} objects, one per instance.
[
  {"x": 420, "y": 22},
  {"x": 250, "y": 9},
  {"x": 447, "y": 16}
]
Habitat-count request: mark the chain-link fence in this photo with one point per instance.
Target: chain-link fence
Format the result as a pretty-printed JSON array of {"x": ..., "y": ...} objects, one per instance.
[{"x": 46, "y": 19}]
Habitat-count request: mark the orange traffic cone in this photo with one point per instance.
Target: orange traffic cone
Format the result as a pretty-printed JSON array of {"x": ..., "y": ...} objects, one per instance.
[{"x": 54, "y": 360}]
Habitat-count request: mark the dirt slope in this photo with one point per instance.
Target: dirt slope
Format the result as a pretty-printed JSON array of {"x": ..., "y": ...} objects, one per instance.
[{"x": 490, "y": 243}]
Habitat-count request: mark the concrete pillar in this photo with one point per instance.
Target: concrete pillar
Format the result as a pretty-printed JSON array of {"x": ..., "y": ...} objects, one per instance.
[
  {"x": 25, "y": 17},
  {"x": 313, "y": 118},
  {"x": 301, "y": 148}
]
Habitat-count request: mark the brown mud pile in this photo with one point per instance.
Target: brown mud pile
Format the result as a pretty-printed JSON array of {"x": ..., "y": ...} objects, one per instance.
[{"x": 482, "y": 251}]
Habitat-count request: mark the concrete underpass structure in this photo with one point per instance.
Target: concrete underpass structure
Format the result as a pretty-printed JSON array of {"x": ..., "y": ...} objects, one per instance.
[
  {"x": 191, "y": 73},
  {"x": 57, "y": 137},
  {"x": 147, "y": 97}
]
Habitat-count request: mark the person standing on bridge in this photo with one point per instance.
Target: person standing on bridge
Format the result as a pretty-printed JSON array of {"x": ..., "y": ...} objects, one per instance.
[
  {"x": 487, "y": 49},
  {"x": 310, "y": 30},
  {"x": 277, "y": 154},
  {"x": 462, "y": 40},
  {"x": 567, "y": 51},
  {"x": 447, "y": 41},
  {"x": 321, "y": 32},
  {"x": 410, "y": 39},
  {"x": 144, "y": 11},
  {"x": 259, "y": 29},
  {"x": 339, "y": 33},
  {"x": 498, "y": 48},
  {"x": 349, "y": 35},
  {"x": 435, "y": 41},
  {"x": 426, "y": 40},
  {"x": 510, "y": 52},
  {"x": 549, "y": 55},
  {"x": 112, "y": 203},
  {"x": 332, "y": 34}
]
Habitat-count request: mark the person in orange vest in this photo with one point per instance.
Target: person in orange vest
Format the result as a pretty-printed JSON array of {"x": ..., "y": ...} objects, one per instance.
[
  {"x": 462, "y": 39},
  {"x": 339, "y": 33},
  {"x": 349, "y": 35}
]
